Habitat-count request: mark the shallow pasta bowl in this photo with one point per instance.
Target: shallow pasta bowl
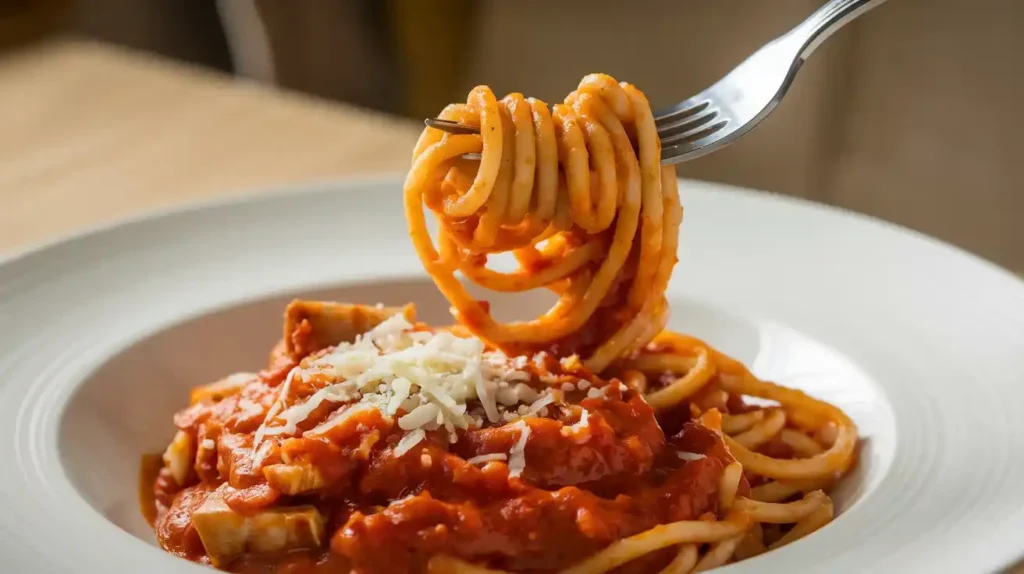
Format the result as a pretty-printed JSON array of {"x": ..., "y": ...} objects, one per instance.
[{"x": 102, "y": 334}]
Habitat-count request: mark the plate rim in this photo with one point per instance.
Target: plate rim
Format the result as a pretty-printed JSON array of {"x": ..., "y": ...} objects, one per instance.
[
  {"x": 352, "y": 185},
  {"x": 319, "y": 185}
]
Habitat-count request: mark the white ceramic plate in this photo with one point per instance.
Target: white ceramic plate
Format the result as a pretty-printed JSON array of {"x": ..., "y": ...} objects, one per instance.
[{"x": 102, "y": 334}]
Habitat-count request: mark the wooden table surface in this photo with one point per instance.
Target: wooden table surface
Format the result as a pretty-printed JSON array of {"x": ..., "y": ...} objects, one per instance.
[{"x": 91, "y": 132}]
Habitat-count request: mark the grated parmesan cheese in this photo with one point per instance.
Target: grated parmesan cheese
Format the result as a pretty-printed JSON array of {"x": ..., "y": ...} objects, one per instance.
[
  {"x": 408, "y": 441},
  {"x": 402, "y": 389},
  {"x": 274, "y": 408},
  {"x": 584, "y": 420},
  {"x": 426, "y": 380},
  {"x": 689, "y": 456},
  {"x": 580, "y": 430},
  {"x": 486, "y": 458},
  {"x": 517, "y": 456},
  {"x": 542, "y": 402},
  {"x": 420, "y": 417},
  {"x": 261, "y": 454}
]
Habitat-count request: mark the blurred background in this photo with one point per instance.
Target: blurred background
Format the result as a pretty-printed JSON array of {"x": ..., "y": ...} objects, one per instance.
[{"x": 913, "y": 113}]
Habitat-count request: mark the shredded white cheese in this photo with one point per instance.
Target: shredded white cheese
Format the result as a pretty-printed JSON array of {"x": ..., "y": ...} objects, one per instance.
[
  {"x": 486, "y": 458},
  {"x": 542, "y": 402},
  {"x": 517, "y": 456},
  {"x": 261, "y": 454},
  {"x": 408, "y": 441},
  {"x": 274, "y": 408},
  {"x": 428, "y": 381},
  {"x": 580, "y": 430},
  {"x": 337, "y": 417},
  {"x": 584, "y": 420},
  {"x": 689, "y": 456},
  {"x": 420, "y": 416}
]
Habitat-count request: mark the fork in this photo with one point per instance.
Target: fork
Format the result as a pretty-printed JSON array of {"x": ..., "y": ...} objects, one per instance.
[{"x": 732, "y": 106}]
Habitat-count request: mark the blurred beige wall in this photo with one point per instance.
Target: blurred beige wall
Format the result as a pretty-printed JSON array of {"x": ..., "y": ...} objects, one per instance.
[
  {"x": 930, "y": 130},
  {"x": 913, "y": 113},
  {"x": 910, "y": 113},
  {"x": 186, "y": 30},
  {"x": 670, "y": 50},
  {"x": 25, "y": 21}
]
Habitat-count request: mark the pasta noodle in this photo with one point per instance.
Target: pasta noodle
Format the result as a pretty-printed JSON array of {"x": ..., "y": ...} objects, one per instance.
[
  {"x": 587, "y": 440},
  {"x": 569, "y": 177},
  {"x": 577, "y": 195}
]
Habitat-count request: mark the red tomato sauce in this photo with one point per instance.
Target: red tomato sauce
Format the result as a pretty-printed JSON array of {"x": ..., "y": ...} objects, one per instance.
[{"x": 582, "y": 488}]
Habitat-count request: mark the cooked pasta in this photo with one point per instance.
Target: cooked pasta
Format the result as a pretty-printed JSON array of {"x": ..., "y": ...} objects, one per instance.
[
  {"x": 588, "y": 440},
  {"x": 585, "y": 179}
]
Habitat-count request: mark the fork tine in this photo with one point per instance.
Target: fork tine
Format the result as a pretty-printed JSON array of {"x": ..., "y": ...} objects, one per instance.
[
  {"x": 681, "y": 112},
  {"x": 695, "y": 134},
  {"x": 687, "y": 146},
  {"x": 450, "y": 126},
  {"x": 677, "y": 153},
  {"x": 682, "y": 140},
  {"x": 681, "y": 131}
]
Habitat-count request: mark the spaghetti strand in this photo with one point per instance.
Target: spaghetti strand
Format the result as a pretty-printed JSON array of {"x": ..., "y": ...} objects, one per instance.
[{"x": 598, "y": 154}]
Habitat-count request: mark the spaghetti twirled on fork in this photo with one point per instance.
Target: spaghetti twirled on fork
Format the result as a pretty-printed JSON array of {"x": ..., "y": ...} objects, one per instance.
[
  {"x": 608, "y": 216},
  {"x": 584, "y": 441}
]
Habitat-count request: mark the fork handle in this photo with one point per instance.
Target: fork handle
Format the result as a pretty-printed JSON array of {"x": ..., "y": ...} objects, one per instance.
[{"x": 826, "y": 20}]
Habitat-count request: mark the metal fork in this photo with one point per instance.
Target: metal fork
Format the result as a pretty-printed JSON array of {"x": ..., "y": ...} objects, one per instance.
[{"x": 732, "y": 106}]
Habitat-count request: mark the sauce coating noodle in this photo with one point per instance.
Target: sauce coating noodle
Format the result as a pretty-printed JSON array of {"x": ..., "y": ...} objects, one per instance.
[
  {"x": 588, "y": 440},
  {"x": 577, "y": 193}
]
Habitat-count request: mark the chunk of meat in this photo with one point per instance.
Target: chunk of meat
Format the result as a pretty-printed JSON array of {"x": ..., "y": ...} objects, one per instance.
[
  {"x": 292, "y": 479},
  {"x": 620, "y": 439},
  {"x": 332, "y": 323},
  {"x": 219, "y": 390},
  {"x": 453, "y": 507},
  {"x": 178, "y": 457},
  {"x": 174, "y": 528},
  {"x": 227, "y": 534}
]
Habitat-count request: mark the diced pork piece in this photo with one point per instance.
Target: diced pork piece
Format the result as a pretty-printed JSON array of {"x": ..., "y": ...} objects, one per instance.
[
  {"x": 220, "y": 390},
  {"x": 294, "y": 479},
  {"x": 178, "y": 457},
  {"x": 227, "y": 534},
  {"x": 333, "y": 323}
]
